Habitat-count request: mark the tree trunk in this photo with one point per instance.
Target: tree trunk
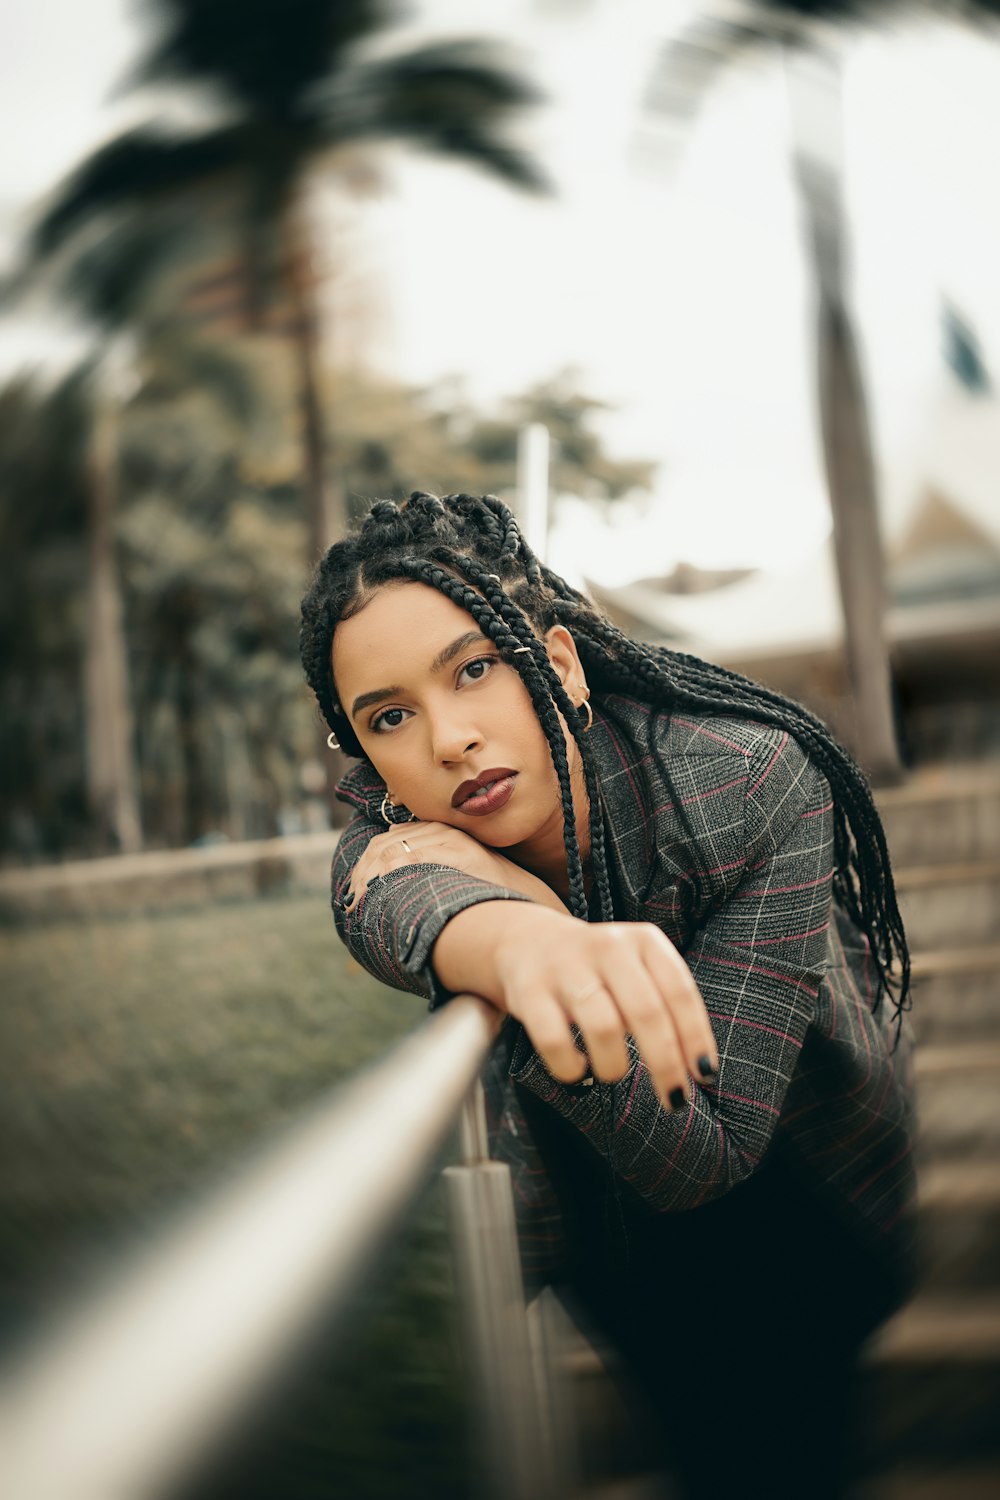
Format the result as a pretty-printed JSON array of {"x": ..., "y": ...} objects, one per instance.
[
  {"x": 325, "y": 510},
  {"x": 111, "y": 789},
  {"x": 850, "y": 470},
  {"x": 326, "y": 513},
  {"x": 197, "y": 798}
]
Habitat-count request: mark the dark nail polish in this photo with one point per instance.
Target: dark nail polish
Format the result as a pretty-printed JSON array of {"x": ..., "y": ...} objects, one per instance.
[
  {"x": 677, "y": 1098},
  {"x": 705, "y": 1067}
]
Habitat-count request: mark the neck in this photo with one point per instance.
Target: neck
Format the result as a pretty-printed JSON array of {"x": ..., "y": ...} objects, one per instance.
[{"x": 545, "y": 855}]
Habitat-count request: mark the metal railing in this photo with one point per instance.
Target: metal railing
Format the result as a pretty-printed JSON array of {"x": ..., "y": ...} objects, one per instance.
[{"x": 110, "y": 1404}]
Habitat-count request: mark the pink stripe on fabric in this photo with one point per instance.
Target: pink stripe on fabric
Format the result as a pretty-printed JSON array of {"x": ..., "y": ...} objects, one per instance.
[
  {"x": 862, "y": 1014},
  {"x": 718, "y": 1015},
  {"x": 770, "y": 764},
  {"x": 886, "y": 1167},
  {"x": 781, "y": 890},
  {"x": 817, "y": 812},
  {"x": 729, "y": 963},
  {"x": 905, "y": 1207},
  {"x": 743, "y": 1099},
  {"x": 709, "y": 734},
  {"x": 677, "y": 1149},
  {"x": 862, "y": 1130},
  {"x": 635, "y": 1084},
  {"x": 791, "y": 937},
  {"x": 700, "y": 796},
  {"x": 626, "y": 767}
]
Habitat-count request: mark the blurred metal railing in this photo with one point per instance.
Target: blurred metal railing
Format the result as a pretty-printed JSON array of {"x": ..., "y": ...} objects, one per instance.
[{"x": 128, "y": 1395}]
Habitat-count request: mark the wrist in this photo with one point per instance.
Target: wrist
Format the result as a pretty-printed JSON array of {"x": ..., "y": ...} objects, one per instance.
[{"x": 474, "y": 948}]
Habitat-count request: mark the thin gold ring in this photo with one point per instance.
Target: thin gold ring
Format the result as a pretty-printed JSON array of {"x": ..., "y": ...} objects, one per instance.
[{"x": 586, "y": 994}]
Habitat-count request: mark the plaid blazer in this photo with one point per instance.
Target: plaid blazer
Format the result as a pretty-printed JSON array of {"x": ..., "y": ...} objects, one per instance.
[{"x": 787, "y": 980}]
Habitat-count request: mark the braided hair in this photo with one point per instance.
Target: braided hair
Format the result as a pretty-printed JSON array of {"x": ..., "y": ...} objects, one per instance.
[{"x": 471, "y": 550}]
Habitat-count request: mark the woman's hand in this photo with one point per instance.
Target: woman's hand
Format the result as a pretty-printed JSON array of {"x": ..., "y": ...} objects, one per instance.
[
  {"x": 610, "y": 979},
  {"x": 439, "y": 844}
]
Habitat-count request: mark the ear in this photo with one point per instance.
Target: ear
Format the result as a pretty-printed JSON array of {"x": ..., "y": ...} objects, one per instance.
[{"x": 562, "y": 653}]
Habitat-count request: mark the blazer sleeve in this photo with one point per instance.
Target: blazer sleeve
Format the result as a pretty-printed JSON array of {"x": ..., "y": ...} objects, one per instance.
[
  {"x": 393, "y": 928},
  {"x": 758, "y": 961}
]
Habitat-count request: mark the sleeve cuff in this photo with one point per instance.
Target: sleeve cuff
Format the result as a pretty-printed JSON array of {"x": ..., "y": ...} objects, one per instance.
[{"x": 450, "y": 896}]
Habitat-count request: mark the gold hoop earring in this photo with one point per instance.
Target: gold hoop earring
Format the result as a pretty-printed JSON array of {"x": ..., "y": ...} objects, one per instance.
[
  {"x": 590, "y": 714},
  {"x": 332, "y": 741},
  {"x": 391, "y": 822}
]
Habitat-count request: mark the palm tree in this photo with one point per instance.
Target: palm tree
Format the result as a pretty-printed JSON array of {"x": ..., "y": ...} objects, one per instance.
[
  {"x": 295, "y": 87},
  {"x": 810, "y": 35},
  {"x": 117, "y": 282}
]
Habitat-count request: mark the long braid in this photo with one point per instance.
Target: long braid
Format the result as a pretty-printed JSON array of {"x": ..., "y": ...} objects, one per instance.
[
  {"x": 520, "y": 627},
  {"x": 470, "y": 549},
  {"x": 533, "y": 678}
]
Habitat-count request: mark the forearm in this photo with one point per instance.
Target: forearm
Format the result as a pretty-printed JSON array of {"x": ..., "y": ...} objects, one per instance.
[{"x": 467, "y": 955}]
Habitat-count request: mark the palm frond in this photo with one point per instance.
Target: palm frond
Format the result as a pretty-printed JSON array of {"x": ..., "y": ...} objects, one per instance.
[
  {"x": 140, "y": 164},
  {"x": 264, "y": 53},
  {"x": 454, "y": 99}
]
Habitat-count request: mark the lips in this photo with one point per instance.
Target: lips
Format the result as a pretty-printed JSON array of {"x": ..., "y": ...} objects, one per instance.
[{"x": 484, "y": 779}]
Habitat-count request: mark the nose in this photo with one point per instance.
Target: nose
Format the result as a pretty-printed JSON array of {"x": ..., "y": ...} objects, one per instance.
[{"x": 453, "y": 737}]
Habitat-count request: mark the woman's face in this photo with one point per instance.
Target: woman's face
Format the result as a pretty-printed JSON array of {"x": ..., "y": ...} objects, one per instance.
[{"x": 435, "y": 708}]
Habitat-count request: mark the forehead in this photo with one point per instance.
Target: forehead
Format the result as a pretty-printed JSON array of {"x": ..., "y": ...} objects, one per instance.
[{"x": 398, "y": 632}]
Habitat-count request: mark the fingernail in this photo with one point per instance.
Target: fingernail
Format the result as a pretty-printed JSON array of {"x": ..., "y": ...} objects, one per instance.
[
  {"x": 678, "y": 1098},
  {"x": 705, "y": 1067}
]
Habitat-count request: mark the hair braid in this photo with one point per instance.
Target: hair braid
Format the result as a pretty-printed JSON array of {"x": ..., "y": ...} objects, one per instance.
[{"x": 520, "y": 627}]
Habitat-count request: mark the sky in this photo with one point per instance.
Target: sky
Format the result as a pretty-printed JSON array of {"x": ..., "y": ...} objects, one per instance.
[{"x": 678, "y": 289}]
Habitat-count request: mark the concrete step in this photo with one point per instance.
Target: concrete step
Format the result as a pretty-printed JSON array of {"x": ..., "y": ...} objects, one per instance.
[
  {"x": 960, "y": 1227},
  {"x": 967, "y": 1482},
  {"x": 944, "y": 814},
  {"x": 931, "y": 1386},
  {"x": 950, "y": 905},
  {"x": 956, "y": 994},
  {"x": 958, "y": 1102}
]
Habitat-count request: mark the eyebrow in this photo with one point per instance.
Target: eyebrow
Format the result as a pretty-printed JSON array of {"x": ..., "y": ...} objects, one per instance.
[{"x": 444, "y": 656}]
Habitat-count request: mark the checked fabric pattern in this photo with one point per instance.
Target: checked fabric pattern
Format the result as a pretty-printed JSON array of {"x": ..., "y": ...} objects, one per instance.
[{"x": 787, "y": 981}]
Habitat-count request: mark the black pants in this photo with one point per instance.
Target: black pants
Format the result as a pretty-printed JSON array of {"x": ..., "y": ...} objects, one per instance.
[{"x": 738, "y": 1324}]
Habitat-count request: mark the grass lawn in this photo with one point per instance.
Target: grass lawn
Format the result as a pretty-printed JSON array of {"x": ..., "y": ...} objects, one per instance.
[{"x": 139, "y": 1058}]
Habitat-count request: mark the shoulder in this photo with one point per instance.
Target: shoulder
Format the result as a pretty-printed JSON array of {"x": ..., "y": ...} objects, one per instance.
[
  {"x": 728, "y": 771},
  {"x": 687, "y": 738}
]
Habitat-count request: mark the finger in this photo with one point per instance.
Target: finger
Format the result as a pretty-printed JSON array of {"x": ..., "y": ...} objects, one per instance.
[
  {"x": 683, "y": 999},
  {"x": 646, "y": 1013},
  {"x": 593, "y": 1009},
  {"x": 385, "y": 852},
  {"x": 547, "y": 1026}
]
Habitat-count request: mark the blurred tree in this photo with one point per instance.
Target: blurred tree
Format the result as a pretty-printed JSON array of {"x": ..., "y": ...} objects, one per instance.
[
  {"x": 292, "y": 88},
  {"x": 118, "y": 282},
  {"x": 396, "y": 439},
  {"x": 212, "y": 571},
  {"x": 810, "y": 35},
  {"x": 207, "y": 534},
  {"x": 43, "y": 566}
]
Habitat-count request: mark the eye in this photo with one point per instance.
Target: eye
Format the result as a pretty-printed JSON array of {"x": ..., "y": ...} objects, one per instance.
[
  {"x": 477, "y": 669},
  {"x": 387, "y": 720}
]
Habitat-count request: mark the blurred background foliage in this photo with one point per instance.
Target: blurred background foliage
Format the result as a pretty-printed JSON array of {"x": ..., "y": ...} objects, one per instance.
[
  {"x": 209, "y": 542},
  {"x": 164, "y": 505}
]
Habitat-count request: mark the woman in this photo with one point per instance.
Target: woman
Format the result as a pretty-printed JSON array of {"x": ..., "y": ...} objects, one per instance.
[{"x": 676, "y": 887}]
